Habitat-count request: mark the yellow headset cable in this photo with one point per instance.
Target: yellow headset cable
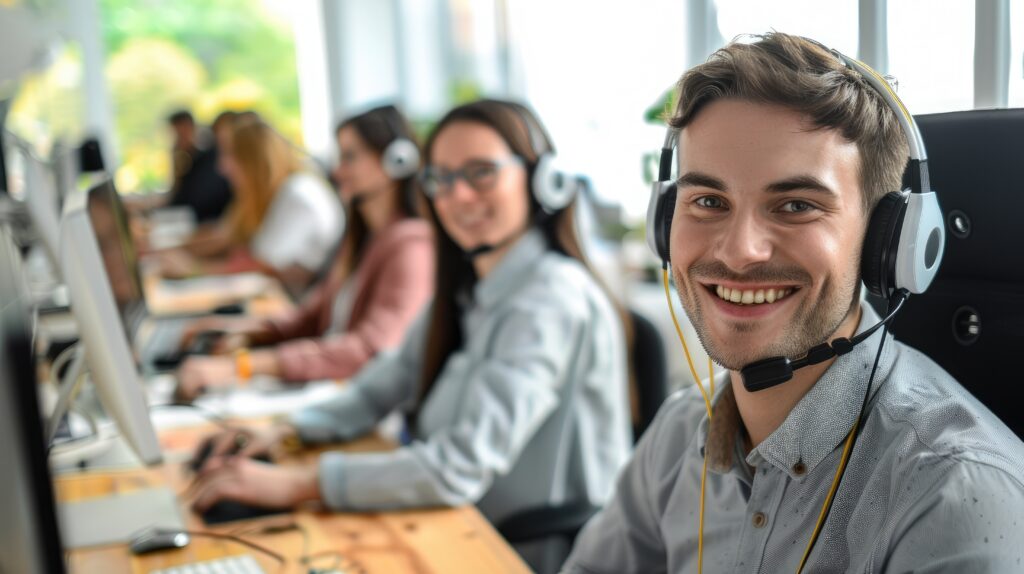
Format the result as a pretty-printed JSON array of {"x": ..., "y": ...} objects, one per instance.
[
  {"x": 847, "y": 448},
  {"x": 707, "y": 406},
  {"x": 851, "y": 437},
  {"x": 831, "y": 494},
  {"x": 686, "y": 349},
  {"x": 704, "y": 471}
]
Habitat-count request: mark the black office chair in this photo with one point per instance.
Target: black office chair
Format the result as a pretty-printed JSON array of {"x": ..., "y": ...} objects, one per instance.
[
  {"x": 566, "y": 520},
  {"x": 971, "y": 319},
  {"x": 650, "y": 369}
]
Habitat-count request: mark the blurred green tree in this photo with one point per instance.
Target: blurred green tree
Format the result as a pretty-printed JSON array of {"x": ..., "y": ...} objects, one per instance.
[{"x": 204, "y": 55}]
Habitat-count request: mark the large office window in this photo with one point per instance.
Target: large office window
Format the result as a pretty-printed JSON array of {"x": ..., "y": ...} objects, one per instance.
[
  {"x": 931, "y": 53},
  {"x": 49, "y": 104},
  {"x": 1016, "y": 96},
  {"x": 593, "y": 83},
  {"x": 833, "y": 23},
  {"x": 195, "y": 54}
]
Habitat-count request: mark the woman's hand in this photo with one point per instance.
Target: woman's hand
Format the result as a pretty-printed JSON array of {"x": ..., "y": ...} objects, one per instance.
[
  {"x": 237, "y": 332},
  {"x": 230, "y": 343},
  {"x": 210, "y": 323},
  {"x": 246, "y": 443},
  {"x": 198, "y": 375},
  {"x": 255, "y": 483},
  {"x": 178, "y": 264}
]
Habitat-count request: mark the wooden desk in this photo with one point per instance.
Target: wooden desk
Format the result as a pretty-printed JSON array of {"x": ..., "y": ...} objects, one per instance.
[
  {"x": 164, "y": 298},
  {"x": 452, "y": 540}
]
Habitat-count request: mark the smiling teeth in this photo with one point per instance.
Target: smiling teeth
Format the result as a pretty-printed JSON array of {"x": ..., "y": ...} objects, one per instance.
[{"x": 750, "y": 297}]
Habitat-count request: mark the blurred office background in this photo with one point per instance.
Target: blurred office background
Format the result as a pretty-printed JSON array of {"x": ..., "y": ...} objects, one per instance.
[{"x": 596, "y": 72}]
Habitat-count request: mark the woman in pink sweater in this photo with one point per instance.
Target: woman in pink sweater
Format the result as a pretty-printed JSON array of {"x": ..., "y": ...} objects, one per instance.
[{"x": 382, "y": 277}]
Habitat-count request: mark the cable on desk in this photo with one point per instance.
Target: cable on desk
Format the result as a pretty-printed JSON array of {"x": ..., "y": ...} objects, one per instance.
[
  {"x": 307, "y": 558},
  {"x": 239, "y": 540}
]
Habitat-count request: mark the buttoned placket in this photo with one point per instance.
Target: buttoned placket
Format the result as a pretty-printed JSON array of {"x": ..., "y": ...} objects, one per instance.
[{"x": 762, "y": 511}]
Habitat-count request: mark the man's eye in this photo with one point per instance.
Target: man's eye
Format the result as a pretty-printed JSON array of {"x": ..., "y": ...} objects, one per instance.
[
  {"x": 797, "y": 206},
  {"x": 709, "y": 202}
]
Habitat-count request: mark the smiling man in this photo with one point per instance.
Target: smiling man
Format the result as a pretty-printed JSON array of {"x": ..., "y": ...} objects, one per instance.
[{"x": 783, "y": 153}]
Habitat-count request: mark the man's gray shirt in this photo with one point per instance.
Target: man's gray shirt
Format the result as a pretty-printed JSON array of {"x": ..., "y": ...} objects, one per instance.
[{"x": 934, "y": 483}]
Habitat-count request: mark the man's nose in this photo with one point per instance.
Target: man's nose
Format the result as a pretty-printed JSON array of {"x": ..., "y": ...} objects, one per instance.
[{"x": 745, "y": 241}]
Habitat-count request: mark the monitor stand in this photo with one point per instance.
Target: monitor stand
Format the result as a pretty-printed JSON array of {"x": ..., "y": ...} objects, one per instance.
[
  {"x": 100, "y": 520},
  {"x": 117, "y": 518}
]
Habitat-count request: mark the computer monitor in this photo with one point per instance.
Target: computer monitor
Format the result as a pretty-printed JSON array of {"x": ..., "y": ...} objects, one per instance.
[
  {"x": 94, "y": 303},
  {"x": 5, "y": 105},
  {"x": 109, "y": 221},
  {"x": 41, "y": 201},
  {"x": 64, "y": 161},
  {"x": 30, "y": 540}
]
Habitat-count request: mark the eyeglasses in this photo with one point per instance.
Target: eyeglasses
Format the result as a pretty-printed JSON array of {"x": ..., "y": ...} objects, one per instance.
[
  {"x": 350, "y": 156},
  {"x": 481, "y": 175}
]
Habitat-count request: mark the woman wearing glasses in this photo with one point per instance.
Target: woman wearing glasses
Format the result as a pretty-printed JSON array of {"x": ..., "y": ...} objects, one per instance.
[
  {"x": 515, "y": 379},
  {"x": 381, "y": 279}
]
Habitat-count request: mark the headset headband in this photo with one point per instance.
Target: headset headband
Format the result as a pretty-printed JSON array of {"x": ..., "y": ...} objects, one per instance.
[{"x": 919, "y": 183}]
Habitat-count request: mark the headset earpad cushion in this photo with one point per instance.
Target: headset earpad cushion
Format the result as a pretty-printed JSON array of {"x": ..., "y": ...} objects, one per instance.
[
  {"x": 401, "y": 159},
  {"x": 878, "y": 258},
  {"x": 553, "y": 187},
  {"x": 663, "y": 221}
]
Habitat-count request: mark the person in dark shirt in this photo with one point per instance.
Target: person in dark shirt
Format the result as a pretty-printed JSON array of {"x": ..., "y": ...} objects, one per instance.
[{"x": 197, "y": 182}]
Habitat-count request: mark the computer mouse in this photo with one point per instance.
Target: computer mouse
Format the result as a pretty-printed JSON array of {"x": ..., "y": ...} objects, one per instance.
[
  {"x": 229, "y": 309},
  {"x": 199, "y": 459},
  {"x": 154, "y": 538},
  {"x": 232, "y": 511}
]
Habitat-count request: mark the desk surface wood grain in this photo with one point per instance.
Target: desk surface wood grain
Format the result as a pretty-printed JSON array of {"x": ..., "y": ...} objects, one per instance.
[{"x": 448, "y": 540}]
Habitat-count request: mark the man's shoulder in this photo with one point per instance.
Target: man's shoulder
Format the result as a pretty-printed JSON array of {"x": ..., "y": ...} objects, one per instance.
[{"x": 939, "y": 419}]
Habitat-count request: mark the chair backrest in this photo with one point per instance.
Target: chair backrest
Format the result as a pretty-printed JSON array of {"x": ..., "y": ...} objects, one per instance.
[
  {"x": 971, "y": 319},
  {"x": 649, "y": 369}
]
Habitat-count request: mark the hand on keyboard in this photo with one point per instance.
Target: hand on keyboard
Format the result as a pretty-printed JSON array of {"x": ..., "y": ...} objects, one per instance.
[
  {"x": 253, "y": 444},
  {"x": 254, "y": 483},
  {"x": 203, "y": 343},
  {"x": 198, "y": 375}
]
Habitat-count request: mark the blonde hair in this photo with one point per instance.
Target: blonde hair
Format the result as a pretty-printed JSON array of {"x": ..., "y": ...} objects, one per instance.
[{"x": 267, "y": 159}]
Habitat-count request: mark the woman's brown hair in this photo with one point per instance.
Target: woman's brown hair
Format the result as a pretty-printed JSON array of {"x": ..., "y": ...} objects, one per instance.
[
  {"x": 377, "y": 129},
  {"x": 455, "y": 272}
]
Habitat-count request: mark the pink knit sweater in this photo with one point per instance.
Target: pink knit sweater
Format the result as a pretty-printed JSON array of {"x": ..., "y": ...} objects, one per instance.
[{"x": 393, "y": 283}]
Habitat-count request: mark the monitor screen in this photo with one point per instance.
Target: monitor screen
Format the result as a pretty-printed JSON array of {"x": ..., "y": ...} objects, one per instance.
[
  {"x": 29, "y": 538},
  {"x": 5, "y": 105},
  {"x": 110, "y": 224}
]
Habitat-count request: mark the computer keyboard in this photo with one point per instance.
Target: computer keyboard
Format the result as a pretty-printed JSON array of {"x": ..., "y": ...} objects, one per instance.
[
  {"x": 164, "y": 337},
  {"x": 241, "y": 564},
  {"x": 202, "y": 344}
]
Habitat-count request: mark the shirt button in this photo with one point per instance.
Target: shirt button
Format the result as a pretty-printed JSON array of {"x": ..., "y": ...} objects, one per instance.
[
  {"x": 799, "y": 468},
  {"x": 760, "y": 520}
]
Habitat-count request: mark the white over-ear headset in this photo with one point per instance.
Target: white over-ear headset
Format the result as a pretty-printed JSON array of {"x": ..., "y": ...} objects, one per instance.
[
  {"x": 553, "y": 187},
  {"x": 401, "y": 158}
]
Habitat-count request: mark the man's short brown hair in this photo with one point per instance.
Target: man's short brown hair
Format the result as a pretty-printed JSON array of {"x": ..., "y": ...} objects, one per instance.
[{"x": 800, "y": 75}]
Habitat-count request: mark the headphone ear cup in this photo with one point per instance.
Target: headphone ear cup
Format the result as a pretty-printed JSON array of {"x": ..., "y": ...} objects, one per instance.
[
  {"x": 659, "y": 217},
  {"x": 552, "y": 187},
  {"x": 401, "y": 159},
  {"x": 881, "y": 243}
]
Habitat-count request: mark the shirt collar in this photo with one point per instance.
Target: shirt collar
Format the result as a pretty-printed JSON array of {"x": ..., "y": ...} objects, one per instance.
[
  {"x": 718, "y": 437},
  {"x": 817, "y": 424},
  {"x": 512, "y": 271}
]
